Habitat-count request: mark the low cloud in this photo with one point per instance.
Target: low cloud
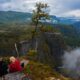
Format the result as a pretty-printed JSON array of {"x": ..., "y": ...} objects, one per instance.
[
  {"x": 73, "y": 13},
  {"x": 71, "y": 62}
]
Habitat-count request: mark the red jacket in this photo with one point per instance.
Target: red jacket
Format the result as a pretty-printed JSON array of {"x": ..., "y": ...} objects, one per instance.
[{"x": 15, "y": 66}]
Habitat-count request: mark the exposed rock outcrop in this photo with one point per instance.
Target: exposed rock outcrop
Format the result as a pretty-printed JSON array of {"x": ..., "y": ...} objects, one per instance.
[{"x": 50, "y": 48}]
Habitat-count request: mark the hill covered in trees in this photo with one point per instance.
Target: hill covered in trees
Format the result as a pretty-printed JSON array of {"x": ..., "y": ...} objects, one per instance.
[{"x": 12, "y": 16}]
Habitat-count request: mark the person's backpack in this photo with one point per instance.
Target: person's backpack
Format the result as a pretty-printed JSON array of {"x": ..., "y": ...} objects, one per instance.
[{"x": 4, "y": 68}]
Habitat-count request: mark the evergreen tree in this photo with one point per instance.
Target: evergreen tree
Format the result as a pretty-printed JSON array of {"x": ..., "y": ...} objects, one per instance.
[{"x": 39, "y": 15}]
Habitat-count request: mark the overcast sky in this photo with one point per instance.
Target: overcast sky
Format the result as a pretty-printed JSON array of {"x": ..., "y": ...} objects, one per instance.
[{"x": 57, "y": 7}]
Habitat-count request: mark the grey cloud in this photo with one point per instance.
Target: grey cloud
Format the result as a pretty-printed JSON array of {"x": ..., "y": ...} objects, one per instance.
[{"x": 57, "y": 7}]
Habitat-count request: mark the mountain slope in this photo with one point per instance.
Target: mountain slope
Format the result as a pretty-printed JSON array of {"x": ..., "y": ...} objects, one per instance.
[{"x": 10, "y": 16}]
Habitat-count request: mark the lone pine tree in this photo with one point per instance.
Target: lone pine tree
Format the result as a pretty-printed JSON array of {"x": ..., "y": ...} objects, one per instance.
[{"x": 39, "y": 15}]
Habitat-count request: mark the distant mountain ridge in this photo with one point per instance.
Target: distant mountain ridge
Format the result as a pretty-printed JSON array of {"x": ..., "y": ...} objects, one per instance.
[{"x": 12, "y": 16}]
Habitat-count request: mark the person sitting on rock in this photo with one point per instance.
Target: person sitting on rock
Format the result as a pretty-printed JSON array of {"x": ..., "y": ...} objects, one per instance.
[{"x": 14, "y": 66}]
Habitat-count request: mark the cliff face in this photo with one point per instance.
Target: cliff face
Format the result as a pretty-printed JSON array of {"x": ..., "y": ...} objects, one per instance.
[{"x": 50, "y": 48}]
